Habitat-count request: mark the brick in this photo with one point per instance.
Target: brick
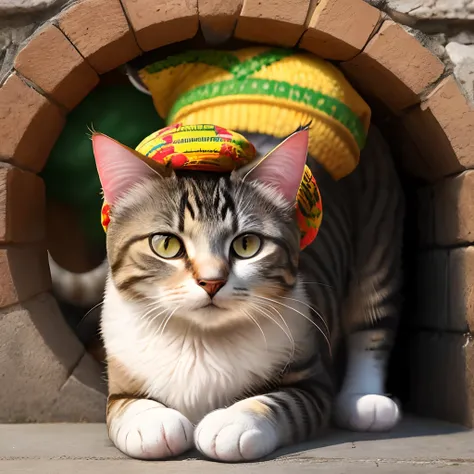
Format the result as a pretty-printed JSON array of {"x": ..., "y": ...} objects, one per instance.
[
  {"x": 218, "y": 18},
  {"x": 83, "y": 397},
  {"x": 52, "y": 63},
  {"x": 442, "y": 377},
  {"x": 22, "y": 206},
  {"x": 453, "y": 206},
  {"x": 39, "y": 351},
  {"x": 461, "y": 289},
  {"x": 443, "y": 126},
  {"x": 394, "y": 67},
  {"x": 24, "y": 273},
  {"x": 339, "y": 29},
  {"x": 445, "y": 295},
  {"x": 279, "y": 22},
  {"x": 100, "y": 32},
  {"x": 160, "y": 22},
  {"x": 29, "y": 125}
]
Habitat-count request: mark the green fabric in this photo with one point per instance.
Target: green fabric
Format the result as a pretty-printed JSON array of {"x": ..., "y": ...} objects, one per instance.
[
  {"x": 243, "y": 83},
  {"x": 223, "y": 60},
  {"x": 70, "y": 174},
  {"x": 283, "y": 90}
]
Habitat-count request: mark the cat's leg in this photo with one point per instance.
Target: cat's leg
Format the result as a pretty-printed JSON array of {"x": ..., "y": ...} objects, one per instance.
[
  {"x": 257, "y": 426},
  {"x": 370, "y": 319},
  {"x": 143, "y": 428},
  {"x": 362, "y": 404}
]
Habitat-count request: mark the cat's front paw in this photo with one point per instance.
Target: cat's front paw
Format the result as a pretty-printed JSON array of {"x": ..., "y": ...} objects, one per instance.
[
  {"x": 147, "y": 430},
  {"x": 358, "y": 412},
  {"x": 233, "y": 434}
]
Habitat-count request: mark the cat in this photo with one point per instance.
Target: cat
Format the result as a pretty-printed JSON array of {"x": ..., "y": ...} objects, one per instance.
[{"x": 219, "y": 332}]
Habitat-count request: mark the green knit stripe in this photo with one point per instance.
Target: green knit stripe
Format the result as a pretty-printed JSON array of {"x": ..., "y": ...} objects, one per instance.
[
  {"x": 252, "y": 65},
  {"x": 278, "y": 89},
  {"x": 222, "y": 59}
]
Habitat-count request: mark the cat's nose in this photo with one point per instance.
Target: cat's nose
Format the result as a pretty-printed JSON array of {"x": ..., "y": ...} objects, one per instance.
[{"x": 211, "y": 286}]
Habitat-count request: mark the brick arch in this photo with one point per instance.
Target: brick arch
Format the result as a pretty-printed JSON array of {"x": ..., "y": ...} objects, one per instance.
[{"x": 48, "y": 375}]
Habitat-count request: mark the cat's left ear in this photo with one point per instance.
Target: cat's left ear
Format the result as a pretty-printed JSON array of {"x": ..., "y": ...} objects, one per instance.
[
  {"x": 283, "y": 167},
  {"x": 119, "y": 167}
]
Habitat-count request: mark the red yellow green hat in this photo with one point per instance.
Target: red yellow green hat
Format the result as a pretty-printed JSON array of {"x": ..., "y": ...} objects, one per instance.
[
  {"x": 212, "y": 148},
  {"x": 264, "y": 90}
]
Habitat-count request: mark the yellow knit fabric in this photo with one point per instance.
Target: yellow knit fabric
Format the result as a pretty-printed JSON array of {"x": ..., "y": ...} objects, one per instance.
[{"x": 250, "y": 91}]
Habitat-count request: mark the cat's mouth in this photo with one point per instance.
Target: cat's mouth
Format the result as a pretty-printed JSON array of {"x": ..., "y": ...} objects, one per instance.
[{"x": 212, "y": 306}]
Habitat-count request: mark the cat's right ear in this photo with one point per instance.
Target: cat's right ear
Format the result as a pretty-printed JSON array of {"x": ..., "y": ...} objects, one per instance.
[{"x": 120, "y": 167}]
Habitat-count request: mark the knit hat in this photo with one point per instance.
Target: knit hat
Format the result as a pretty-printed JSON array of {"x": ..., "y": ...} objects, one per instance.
[
  {"x": 212, "y": 148},
  {"x": 264, "y": 90}
]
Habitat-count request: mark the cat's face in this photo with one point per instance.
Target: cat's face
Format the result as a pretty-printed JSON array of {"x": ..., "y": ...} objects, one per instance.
[{"x": 212, "y": 250}]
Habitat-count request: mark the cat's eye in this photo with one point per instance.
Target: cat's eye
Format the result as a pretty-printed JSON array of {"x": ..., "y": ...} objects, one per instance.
[
  {"x": 166, "y": 245},
  {"x": 247, "y": 245}
]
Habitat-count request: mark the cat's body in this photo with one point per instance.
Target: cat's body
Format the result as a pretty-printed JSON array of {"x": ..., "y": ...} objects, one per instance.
[{"x": 263, "y": 357}]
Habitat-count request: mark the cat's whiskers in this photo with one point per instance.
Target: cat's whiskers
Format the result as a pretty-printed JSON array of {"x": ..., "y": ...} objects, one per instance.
[
  {"x": 301, "y": 314},
  {"x": 154, "y": 318},
  {"x": 258, "y": 306},
  {"x": 168, "y": 320},
  {"x": 312, "y": 308},
  {"x": 246, "y": 313}
]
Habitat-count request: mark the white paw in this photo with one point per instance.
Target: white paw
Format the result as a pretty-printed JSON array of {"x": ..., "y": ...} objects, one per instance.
[
  {"x": 148, "y": 431},
  {"x": 231, "y": 434},
  {"x": 366, "y": 412}
]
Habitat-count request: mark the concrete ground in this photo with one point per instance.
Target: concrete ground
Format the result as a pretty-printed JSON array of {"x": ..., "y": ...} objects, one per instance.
[{"x": 416, "y": 446}]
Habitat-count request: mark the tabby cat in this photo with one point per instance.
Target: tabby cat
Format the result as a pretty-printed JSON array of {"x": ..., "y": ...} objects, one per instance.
[{"x": 219, "y": 332}]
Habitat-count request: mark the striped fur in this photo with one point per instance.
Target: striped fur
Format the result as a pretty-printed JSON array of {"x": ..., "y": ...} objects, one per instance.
[{"x": 257, "y": 374}]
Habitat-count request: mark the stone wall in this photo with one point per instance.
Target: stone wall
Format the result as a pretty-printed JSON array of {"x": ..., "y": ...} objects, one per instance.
[{"x": 445, "y": 26}]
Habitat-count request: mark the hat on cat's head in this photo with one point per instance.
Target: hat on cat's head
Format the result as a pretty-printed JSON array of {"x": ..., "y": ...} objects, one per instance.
[
  {"x": 263, "y": 90},
  {"x": 215, "y": 149}
]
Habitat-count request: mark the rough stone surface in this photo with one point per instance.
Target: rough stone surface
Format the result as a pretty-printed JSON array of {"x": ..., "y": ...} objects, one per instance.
[
  {"x": 39, "y": 351},
  {"x": 10, "y": 7},
  {"x": 83, "y": 397},
  {"x": 24, "y": 273},
  {"x": 462, "y": 56},
  {"x": 22, "y": 206},
  {"x": 415, "y": 446},
  {"x": 443, "y": 127},
  {"x": 27, "y": 119},
  {"x": 52, "y": 63},
  {"x": 160, "y": 22},
  {"x": 339, "y": 29},
  {"x": 442, "y": 376},
  {"x": 394, "y": 67},
  {"x": 279, "y": 22},
  {"x": 100, "y": 32},
  {"x": 430, "y": 8}
]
